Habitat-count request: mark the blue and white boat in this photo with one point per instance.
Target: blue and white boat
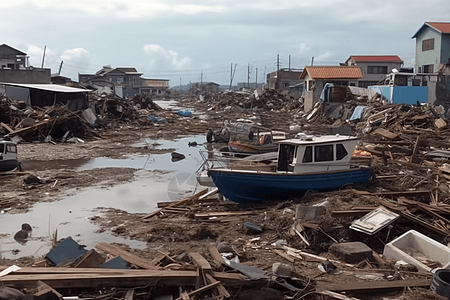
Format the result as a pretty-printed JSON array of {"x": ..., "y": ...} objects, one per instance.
[{"x": 304, "y": 163}]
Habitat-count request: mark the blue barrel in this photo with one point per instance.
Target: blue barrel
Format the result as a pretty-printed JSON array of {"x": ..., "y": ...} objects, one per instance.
[{"x": 441, "y": 282}]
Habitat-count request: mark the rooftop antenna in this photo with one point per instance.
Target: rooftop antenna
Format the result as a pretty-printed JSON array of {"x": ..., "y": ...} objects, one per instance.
[
  {"x": 43, "y": 57},
  {"x": 60, "y": 67}
]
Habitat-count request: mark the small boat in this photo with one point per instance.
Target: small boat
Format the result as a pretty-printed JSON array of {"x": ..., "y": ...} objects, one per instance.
[
  {"x": 8, "y": 156},
  {"x": 246, "y": 137},
  {"x": 304, "y": 163}
]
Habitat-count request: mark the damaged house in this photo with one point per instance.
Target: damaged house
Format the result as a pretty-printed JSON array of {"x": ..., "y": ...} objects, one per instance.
[
  {"x": 42, "y": 95},
  {"x": 14, "y": 68},
  {"x": 123, "y": 82},
  {"x": 316, "y": 77}
]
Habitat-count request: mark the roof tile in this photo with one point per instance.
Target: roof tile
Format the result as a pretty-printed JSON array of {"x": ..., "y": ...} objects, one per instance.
[{"x": 332, "y": 72}]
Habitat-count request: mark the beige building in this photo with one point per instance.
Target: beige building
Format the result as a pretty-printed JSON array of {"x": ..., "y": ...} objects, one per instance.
[
  {"x": 374, "y": 67},
  {"x": 315, "y": 78}
]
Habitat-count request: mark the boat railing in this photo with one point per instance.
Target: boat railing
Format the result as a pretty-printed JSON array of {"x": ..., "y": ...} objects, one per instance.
[{"x": 236, "y": 161}]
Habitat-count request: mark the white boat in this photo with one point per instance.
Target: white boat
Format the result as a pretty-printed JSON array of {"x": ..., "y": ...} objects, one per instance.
[{"x": 8, "y": 156}]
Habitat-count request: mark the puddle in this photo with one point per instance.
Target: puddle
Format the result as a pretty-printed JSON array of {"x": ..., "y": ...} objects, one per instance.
[{"x": 157, "y": 180}]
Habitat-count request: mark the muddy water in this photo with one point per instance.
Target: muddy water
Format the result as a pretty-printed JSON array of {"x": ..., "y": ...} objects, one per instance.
[{"x": 158, "y": 179}]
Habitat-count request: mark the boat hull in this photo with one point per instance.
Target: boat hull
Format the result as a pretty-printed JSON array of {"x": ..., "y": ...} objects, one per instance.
[
  {"x": 8, "y": 165},
  {"x": 251, "y": 187}
]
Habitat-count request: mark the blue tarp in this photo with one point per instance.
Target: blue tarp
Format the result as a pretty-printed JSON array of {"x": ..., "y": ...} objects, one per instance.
[
  {"x": 357, "y": 113},
  {"x": 184, "y": 112}
]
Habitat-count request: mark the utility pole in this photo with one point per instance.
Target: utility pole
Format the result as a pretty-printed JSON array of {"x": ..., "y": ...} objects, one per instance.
[
  {"x": 201, "y": 82},
  {"x": 289, "y": 63},
  {"x": 278, "y": 72},
  {"x": 43, "y": 57},
  {"x": 232, "y": 74},
  {"x": 256, "y": 81},
  {"x": 180, "y": 84},
  {"x": 60, "y": 67},
  {"x": 248, "y": 75}
]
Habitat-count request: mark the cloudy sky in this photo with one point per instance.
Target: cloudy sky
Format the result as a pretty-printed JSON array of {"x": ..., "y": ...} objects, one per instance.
[{"x": 189, "y": 40}]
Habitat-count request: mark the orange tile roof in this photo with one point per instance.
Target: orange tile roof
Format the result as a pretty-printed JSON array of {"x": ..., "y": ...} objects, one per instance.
[
  {"x": 332, "y": 72},
  {"x": 376, "y": 58},
  {"x": 443, "y": 27}
]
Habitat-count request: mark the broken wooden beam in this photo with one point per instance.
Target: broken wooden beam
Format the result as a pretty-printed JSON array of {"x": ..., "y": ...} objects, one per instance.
[
  {"x": 178, "y": 203},
  {"x": 373, "y": 286},
  {"x": 126, "y": 256}
]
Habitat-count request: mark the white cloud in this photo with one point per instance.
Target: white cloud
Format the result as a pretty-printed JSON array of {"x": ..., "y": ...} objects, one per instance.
[
  {"x": 303, "y": 48},
  {"x": 162, "y": 59},
  {"x": 323, "y": 57},
  {"x": 76, "y": 55}
]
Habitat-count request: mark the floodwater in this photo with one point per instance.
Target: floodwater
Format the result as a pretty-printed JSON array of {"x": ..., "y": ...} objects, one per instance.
[{"x": 158, "y": 179}]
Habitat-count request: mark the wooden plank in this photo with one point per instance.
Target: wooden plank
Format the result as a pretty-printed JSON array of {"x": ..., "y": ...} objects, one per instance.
[
  {"x": 220, "y": 288},
  {"x": 440, "y": 123},
  {"x": 124, "y": 279},
  {"x": 200, "y": 261},
  {"x": 185, "y": 296},
  {"x": 126, "y": 256},
  {"x": 201, "y": 290},
  {"x": 216, "y": 255},
  {"x": 284, "y": 255},
  {"x": 363, "y": 287},
  {"x": 7, "y": 127},
  {"x": 386, "y": 133},
  {"x": 44, "y": 289},
  {"x": 223, "y": 214},
  {"x": 335, "y": 295},
  {"x": 179, "y": 203}
]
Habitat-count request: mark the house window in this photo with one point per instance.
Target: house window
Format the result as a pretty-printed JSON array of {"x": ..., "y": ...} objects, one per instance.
[
  {"x": 341, "y": 152},
  {"x": 428, "y": 68},
  {"x": 427, "y": 45},
  {"x": 286, "y": 84},
  {"x": 323, "y": 153},
  {"x": 377, "y": 70}
]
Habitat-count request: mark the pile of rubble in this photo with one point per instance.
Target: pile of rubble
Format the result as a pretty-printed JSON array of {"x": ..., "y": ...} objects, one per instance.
[{"x": 267, "y": 100}]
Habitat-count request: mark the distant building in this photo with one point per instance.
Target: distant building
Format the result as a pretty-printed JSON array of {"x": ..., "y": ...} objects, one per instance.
[
  {"x": 284, "y": 78},
  {"x": 125, "y": 82},
  {"x": 211, "y": 87},
  {"x": 14, "y": 68},
  {"x": 432, "y": 46},
  {"x": 315, "y": 78},
  {"x": 374, "y": 67}
]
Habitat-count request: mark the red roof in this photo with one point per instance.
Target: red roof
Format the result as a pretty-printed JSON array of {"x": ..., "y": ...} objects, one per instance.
[
  {"x": 441, "y": 26},
  {"x": 376, "y": 58},
  {"x": 331, "y": 72}
]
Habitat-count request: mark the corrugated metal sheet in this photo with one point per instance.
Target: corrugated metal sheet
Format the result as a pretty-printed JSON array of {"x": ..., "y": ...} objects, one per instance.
[
  {"x": 325, "y": 72},
  {"x": 48, "y": 87},
  {"x": 376, "y": 58}
]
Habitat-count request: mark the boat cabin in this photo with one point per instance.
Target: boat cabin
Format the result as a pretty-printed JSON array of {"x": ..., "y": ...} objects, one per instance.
[
  {"x": 8, "y": 156},
  {"x": 310, "y": 154}
]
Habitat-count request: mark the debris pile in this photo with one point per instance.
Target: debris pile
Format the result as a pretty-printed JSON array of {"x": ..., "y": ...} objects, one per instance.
[{"x": 267, "y": 100}]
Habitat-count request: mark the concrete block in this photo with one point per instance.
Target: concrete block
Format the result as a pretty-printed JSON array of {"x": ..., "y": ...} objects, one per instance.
[
  {"x": 414, "y": 248},
  {"x": 282, "y": 270},
  {"x": 352, "y": 252},
  {"x": 309, "y": 214}
]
